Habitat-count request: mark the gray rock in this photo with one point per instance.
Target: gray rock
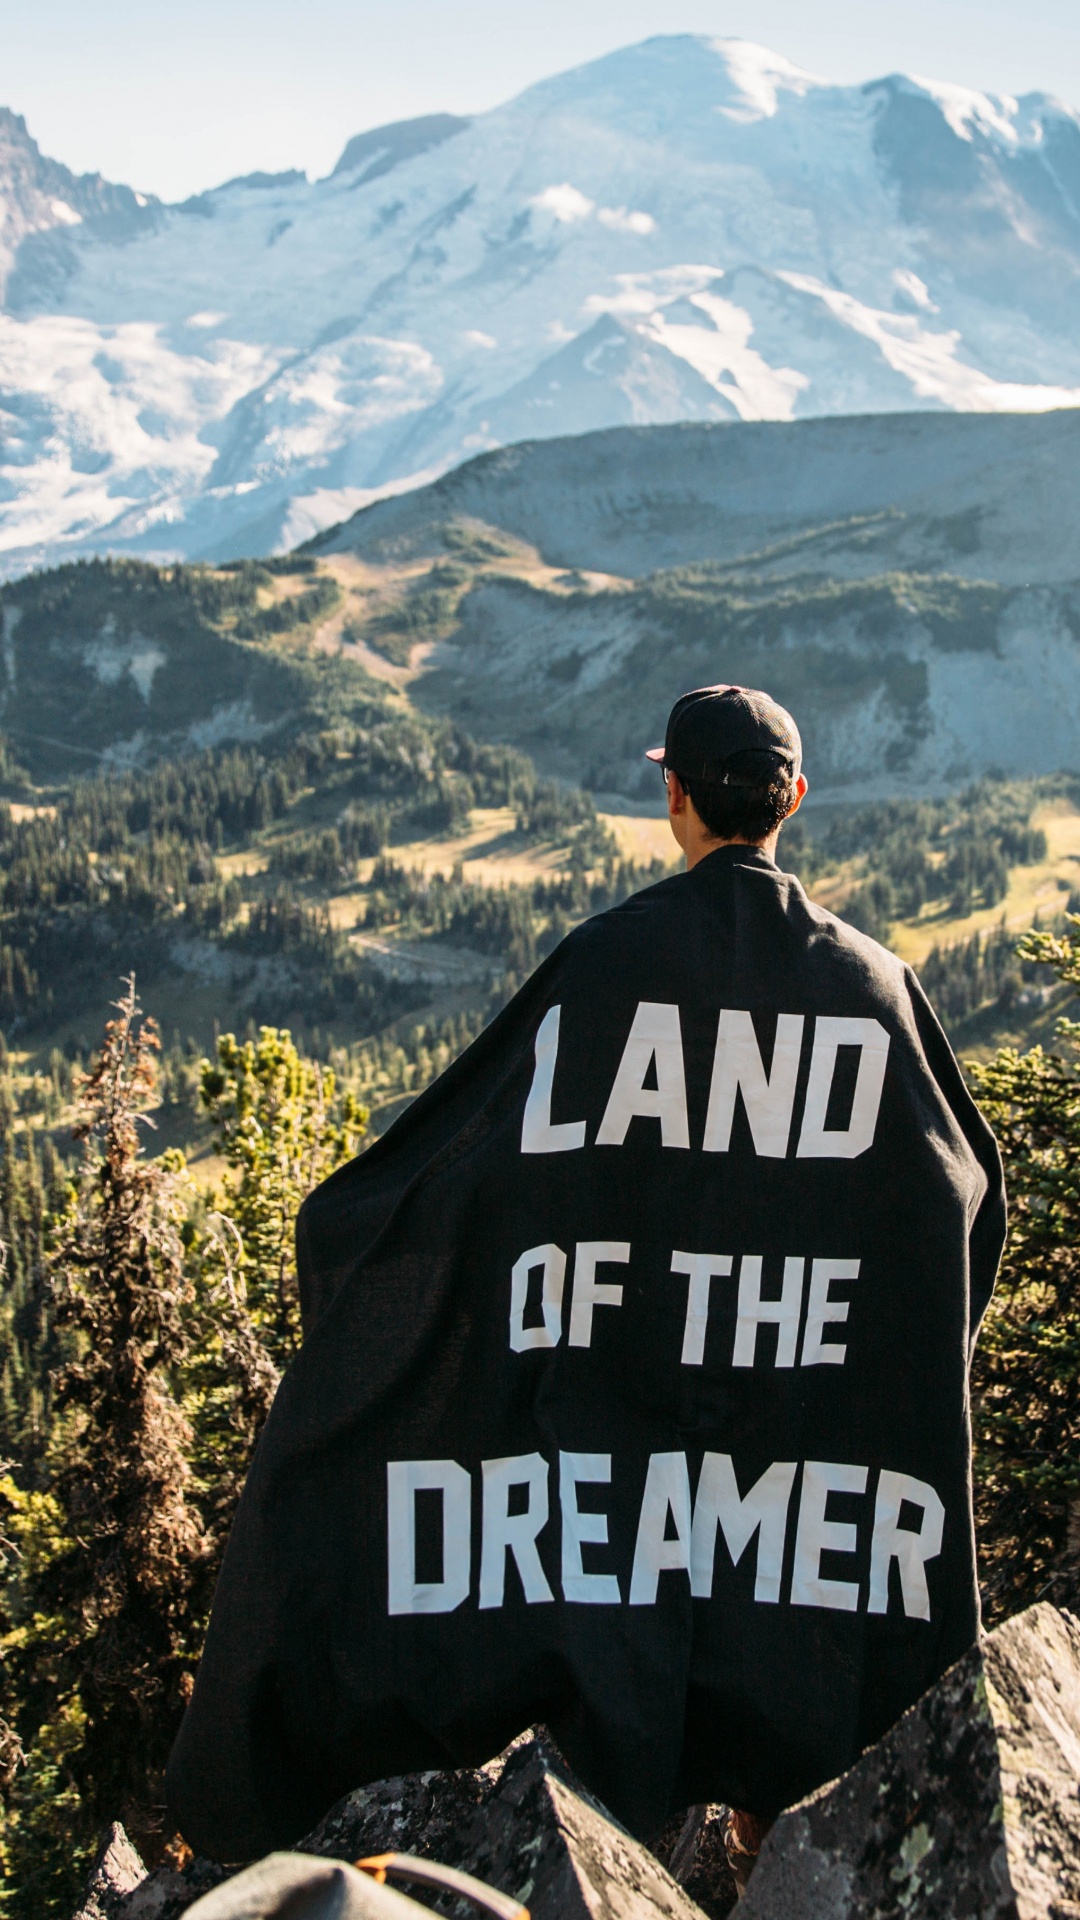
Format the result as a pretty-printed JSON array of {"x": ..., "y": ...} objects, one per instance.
[
  {"x": 117, "y": 1870},
  {"x": 166, "y": 1894},
  {"x": 542, "y": 1838},
  {"x": 522, "y": 1823},
  {"x": 419, "y": 1813},
  {"x": 970, "y": 1805}
]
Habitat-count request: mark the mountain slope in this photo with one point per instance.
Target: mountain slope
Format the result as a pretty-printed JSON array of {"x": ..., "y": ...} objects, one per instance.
[
  {"x": 118, "y": 664},
  {"x": 993, "y": 496},
  {"x": 909, "y": 586},
  {"x": 689, "y": 228}
]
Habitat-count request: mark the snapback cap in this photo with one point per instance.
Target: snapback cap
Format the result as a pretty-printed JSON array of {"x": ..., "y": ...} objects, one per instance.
[{"x": 706, "y": 727}]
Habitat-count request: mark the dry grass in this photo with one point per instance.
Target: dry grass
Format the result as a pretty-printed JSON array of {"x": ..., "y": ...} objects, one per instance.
[
  {"x": 1042, "y": 889},
  {"x": 492, "y": 853},
  {"x": 642, "y": 837}
]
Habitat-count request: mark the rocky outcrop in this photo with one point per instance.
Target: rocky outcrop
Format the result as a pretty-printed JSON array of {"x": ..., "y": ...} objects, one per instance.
[
  {"x": 541, "y": 1837},
  {"x": 419, "y": 1813},
  {"x": 522, "y": 1824},
  {"x": 969, "y": 1806},
  {"x": 116, "y": 1872}
]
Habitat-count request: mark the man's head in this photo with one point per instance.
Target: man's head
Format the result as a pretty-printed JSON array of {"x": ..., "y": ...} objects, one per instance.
[{"x": 732, "y": 765}]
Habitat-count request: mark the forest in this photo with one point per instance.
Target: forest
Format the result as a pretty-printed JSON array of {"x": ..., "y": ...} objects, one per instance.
[{"x": 307, "y": 922}]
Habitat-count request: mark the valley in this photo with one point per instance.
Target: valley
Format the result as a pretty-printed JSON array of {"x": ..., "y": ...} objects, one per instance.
[{"x": 263, "y": 788}]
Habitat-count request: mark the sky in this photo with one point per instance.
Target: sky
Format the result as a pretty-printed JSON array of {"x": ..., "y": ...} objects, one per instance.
[{"x": 178, "y": 95}]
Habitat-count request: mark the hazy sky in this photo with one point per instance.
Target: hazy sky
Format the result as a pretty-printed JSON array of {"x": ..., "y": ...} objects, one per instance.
[{"x": 175, "y": 95}]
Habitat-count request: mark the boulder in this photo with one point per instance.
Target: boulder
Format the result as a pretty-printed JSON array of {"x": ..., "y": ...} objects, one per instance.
[
  {"x": 969, "y": 1806},
  {"x": 166, "y": 1894},
  {"x": 116, "y": 1872},
  {"x": 541, "y": 1837},
  {"x": 449, "y": 1817},
  {"x": 421, "y": 1813}
]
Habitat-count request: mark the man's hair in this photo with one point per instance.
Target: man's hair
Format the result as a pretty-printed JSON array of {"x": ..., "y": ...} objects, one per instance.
[{"x": 757, "y": 792}]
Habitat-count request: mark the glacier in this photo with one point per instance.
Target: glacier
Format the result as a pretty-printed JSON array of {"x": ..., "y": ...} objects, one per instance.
[{"x": 687, "y": 229}]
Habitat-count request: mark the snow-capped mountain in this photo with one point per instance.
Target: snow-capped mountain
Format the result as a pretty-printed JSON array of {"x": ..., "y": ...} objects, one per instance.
[{"x": 687, "y": 229}]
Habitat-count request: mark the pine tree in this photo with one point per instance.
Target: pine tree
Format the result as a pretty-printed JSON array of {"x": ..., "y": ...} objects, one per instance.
[
  {"x": 107, "y": 1597},
  {"x": 29, "y": 1188},
  {"x": 1026, "y": 1379},
  {"x": 282, "y": 1127}
]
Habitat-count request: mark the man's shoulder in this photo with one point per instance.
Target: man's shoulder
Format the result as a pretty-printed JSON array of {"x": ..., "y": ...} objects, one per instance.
[
  {"x": 651, "y": 905},
  {"x": 840, "y": 935},
  {"x": 834, "y": 947},
  {"x": 775, "y": 903}
]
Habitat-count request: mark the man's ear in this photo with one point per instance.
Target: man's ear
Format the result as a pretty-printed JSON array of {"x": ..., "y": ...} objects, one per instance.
[
  {"x": 800, "y": 796},
  {"x": 676, "y": 796},
  {"x": 678, "y": 808}
]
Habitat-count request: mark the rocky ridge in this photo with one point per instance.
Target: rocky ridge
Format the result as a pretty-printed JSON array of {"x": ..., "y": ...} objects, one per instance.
[
  {"x": 42, "y": 202},
  {"x": 906, "y": 585},
  {"x": 969, "y": 1806}
]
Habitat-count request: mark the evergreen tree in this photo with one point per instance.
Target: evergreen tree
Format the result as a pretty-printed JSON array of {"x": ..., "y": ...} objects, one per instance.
[
  {"x": 30, "y": 1187},
  {"x": 282, "y": 1127},
  {"x": 1026, "y": 1381},
  {"x": 107, "y": 1595}
]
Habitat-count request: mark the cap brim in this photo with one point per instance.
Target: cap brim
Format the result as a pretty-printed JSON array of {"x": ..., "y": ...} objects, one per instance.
[{"x": 654, "y": 753}]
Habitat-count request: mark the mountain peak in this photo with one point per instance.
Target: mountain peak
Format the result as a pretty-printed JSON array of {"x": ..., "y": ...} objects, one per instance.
[
  {"x": 760, "y": 76},
  {"x": 41, "y": 201},
  {"x": 693, "y": 227}
]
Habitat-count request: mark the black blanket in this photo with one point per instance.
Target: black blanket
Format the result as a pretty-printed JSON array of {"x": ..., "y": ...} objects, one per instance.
[{"x": 633, "y": 1396}]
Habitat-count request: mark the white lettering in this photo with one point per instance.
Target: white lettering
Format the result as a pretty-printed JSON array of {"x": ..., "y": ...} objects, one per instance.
[
  {"x": 767, "y": 1098},
  {"x": 404, "y": 1480},
  {"x": 702, "y": 1269},
  {"x": 763, "y": 1511},
  {"x": 505, "y": 1532},
  {"x": 538, "y": 1134},
  {"x": 753, "y": 1310},
  {"x": 910, "y": 1550},
  {"x": 581, "y": 1529},
  {"x": 655, "y": 1035},
  {"x": 667, "y": 1490},
  {"x": 822, "y": 1312},
  {"x": 587, "y": 1293},
  {"x": 830, "y": 1034},
  {"x": 553, "y": 1261},
  {"x": 816, "y": 1536}
]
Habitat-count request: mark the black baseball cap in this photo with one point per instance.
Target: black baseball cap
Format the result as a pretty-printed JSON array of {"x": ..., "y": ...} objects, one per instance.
[{"x": 706, "y": 727}]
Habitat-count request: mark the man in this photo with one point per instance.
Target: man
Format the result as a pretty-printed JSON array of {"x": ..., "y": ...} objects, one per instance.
[{"x": 633, "y": 1396}]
